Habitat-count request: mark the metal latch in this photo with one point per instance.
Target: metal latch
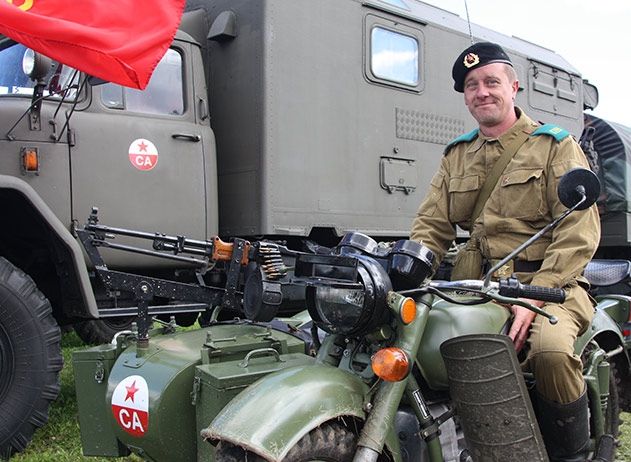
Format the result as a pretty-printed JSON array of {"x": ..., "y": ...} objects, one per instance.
[{"x": 99, "y": 373}]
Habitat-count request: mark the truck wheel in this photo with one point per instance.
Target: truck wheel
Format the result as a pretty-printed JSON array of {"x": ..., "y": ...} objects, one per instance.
[
  {"x": 329, "y": 442},
  {"x": 99, "y": 331},
  {"x": 30, "y": 359}
]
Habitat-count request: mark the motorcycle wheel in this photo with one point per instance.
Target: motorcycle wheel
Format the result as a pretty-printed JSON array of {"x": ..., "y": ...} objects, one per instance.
[
  {"x": 329, "y": 442},
  {"x": 30, "y": 359}
]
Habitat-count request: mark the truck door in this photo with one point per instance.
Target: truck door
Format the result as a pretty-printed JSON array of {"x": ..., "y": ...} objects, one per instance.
[{"x": 140, "y": 155}]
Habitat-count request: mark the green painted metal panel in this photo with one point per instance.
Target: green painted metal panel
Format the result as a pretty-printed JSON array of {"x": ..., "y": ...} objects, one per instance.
[
  {"x": 91, "y": 371},
  {"x": 164, "y": 374},
  {"x": 272, "y": 415},
  {"x": 447, "y": 321},
  {"x": 602, "y": 323},
  {"x": 219, "y": 385}
]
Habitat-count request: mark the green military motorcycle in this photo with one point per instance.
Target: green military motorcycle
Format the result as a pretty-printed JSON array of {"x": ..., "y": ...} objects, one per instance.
[{"x": 395, "y": 366}]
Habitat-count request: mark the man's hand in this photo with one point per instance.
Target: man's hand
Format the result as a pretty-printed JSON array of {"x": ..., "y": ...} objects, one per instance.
[{"x": 522, "y": 320}]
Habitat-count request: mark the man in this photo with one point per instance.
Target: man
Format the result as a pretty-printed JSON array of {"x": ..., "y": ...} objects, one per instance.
[{"x": 523, "y": 200}]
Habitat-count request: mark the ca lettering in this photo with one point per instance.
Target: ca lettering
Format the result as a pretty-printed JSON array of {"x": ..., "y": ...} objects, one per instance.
[
  {"x": 123, "y": 418},
  {"x": 143, "y": 161},
  {"x": 136, "y": 425},
  {"x": 130, "y": 422}
]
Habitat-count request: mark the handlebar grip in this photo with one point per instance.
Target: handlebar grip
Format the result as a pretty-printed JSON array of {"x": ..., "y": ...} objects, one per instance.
[{"x": 513, "y": 288}]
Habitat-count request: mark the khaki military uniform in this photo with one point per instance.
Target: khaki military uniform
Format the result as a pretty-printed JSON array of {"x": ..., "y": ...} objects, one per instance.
[{"x": 523, "y": 202}]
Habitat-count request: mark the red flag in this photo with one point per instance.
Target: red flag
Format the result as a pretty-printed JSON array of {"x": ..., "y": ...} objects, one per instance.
[{"x": 120, "y": 41}]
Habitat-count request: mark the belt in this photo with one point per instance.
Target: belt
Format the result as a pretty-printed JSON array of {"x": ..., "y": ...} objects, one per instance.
[
  {"x": 525, "y": 266},
  {"x": 513, "y": 266}
]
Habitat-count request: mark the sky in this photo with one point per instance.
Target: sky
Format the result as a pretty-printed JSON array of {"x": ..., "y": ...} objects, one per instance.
[{"x": 593, "y": 36}]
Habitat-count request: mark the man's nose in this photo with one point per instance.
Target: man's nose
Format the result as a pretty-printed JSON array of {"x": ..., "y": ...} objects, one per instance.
[{"x": 482, "y": 91}]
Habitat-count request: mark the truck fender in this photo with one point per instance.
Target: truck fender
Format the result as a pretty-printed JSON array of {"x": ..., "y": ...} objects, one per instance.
[
  {"x": 272, "y": 415},
  {"x": 61, "y": 234}
]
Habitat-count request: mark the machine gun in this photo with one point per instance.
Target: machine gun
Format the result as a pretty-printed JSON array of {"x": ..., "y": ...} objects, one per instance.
[{"x": 256, "y": 276}]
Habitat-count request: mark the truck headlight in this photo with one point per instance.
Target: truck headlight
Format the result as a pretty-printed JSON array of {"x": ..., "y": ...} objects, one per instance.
[{"x": 36, "y": 65}]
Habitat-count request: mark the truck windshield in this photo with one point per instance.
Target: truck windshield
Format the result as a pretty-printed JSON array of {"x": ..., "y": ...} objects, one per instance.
[{"x": 14, "y": 82}]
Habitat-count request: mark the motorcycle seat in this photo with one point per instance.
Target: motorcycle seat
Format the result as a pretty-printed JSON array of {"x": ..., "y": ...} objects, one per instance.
[{"x": 602, "y": 273}]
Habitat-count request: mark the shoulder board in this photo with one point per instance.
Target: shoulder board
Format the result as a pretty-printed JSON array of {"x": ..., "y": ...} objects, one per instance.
[
  {"x": 551, "y": 130},
  {"x": 463, "y": 138}
]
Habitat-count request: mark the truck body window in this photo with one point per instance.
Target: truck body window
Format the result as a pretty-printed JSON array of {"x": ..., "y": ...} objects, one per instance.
[
  {"x": 163, "y": 96},
  {"x": 14, "y": 82},
  {"x": 394, "y": 57},
  {"x": 397, "y": 3}
]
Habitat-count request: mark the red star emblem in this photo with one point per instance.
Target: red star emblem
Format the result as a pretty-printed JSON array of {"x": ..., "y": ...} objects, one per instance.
[
  {"x": 142, "y": 146},
  {"x": 131, "y": 391}
]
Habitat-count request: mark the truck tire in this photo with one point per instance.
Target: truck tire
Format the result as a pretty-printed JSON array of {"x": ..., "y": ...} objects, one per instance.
[
  {"x": 99, "y": 331},
  {"x": 30, "y": 359}
]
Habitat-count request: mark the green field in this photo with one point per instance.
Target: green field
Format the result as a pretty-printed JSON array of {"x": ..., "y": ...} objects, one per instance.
[{"x": 59, "y": 440}]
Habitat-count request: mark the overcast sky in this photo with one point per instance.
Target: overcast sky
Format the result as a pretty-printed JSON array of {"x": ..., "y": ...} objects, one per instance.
[{"x": 593, "y": 36}]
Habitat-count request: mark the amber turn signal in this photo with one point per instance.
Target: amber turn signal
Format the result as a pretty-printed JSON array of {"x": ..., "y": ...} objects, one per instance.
[
  {"x": 30, "y": 160},
  {"x": 407, "y": 311},
  {"x": 391, "y": 364}
]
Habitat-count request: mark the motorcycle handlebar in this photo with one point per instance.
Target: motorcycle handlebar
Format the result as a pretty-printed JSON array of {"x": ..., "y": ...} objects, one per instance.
[
  {"x": 513, "y": 288},
  {"x": 508, "y": 290},
  {"x": 510, "y": 287}
]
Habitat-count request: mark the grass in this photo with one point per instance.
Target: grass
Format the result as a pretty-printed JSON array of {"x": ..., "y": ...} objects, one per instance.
[{"x": 59, "y": 440}]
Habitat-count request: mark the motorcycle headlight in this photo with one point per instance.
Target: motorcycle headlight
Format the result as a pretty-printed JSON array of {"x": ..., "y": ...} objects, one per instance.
[{"x": 353, "y": 303}]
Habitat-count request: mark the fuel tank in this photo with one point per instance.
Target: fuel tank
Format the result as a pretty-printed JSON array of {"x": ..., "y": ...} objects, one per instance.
[
  {"x": 153, "y": 401},
  {"x": 448, "y": 320}
]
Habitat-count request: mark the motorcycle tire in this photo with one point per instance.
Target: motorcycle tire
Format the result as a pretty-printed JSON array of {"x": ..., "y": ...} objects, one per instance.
[
  {"x": 329, "y": 442},
  {"x": 30, "y": 359}
]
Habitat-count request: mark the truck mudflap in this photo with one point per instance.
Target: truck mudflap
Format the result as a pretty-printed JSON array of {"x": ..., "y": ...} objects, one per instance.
[
  {"x": 488, "y": 390},
  {"x": 273, "y": 414}
]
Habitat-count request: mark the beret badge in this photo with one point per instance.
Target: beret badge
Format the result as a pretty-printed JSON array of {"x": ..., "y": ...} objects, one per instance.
[{"x": 470, "y": 60}]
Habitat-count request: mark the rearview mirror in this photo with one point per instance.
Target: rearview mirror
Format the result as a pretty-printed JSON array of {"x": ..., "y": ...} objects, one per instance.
[{"x": 578, "y": 184}]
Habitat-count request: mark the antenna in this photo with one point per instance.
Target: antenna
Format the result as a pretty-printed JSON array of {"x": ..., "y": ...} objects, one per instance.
[{"x": 466, "y": 8}]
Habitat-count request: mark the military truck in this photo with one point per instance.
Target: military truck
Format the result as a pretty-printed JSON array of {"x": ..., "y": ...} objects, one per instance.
[{"x": 292, "y": 120}]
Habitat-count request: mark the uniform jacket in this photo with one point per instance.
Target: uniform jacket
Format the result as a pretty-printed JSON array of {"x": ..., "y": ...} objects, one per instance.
[{"x": 523, "y": 201}]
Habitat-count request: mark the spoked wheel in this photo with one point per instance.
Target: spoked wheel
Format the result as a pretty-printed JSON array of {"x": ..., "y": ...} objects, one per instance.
[
  {"x": 30, "y": 359},
  {"x": 330, "y": 442}
]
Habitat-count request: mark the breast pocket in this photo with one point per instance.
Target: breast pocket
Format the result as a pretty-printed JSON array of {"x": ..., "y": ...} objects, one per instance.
[
  {"x": 463, "y": 192},
  {"x": 522, "y": 195}
]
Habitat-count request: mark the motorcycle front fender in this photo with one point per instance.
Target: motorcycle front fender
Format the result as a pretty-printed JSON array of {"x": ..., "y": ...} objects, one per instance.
[{"x": 272, "y": 415}]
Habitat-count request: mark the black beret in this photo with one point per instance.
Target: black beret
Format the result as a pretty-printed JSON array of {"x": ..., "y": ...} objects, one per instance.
[{"x": 477, "y": 55}]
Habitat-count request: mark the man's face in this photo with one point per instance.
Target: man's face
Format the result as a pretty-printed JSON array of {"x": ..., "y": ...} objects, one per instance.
[{"x": 489, "y": 94}]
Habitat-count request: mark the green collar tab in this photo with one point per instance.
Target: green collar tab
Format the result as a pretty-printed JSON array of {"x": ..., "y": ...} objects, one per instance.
[
  {"x": 551, "y": 130},
  {"x": 463, "y": 138}
]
